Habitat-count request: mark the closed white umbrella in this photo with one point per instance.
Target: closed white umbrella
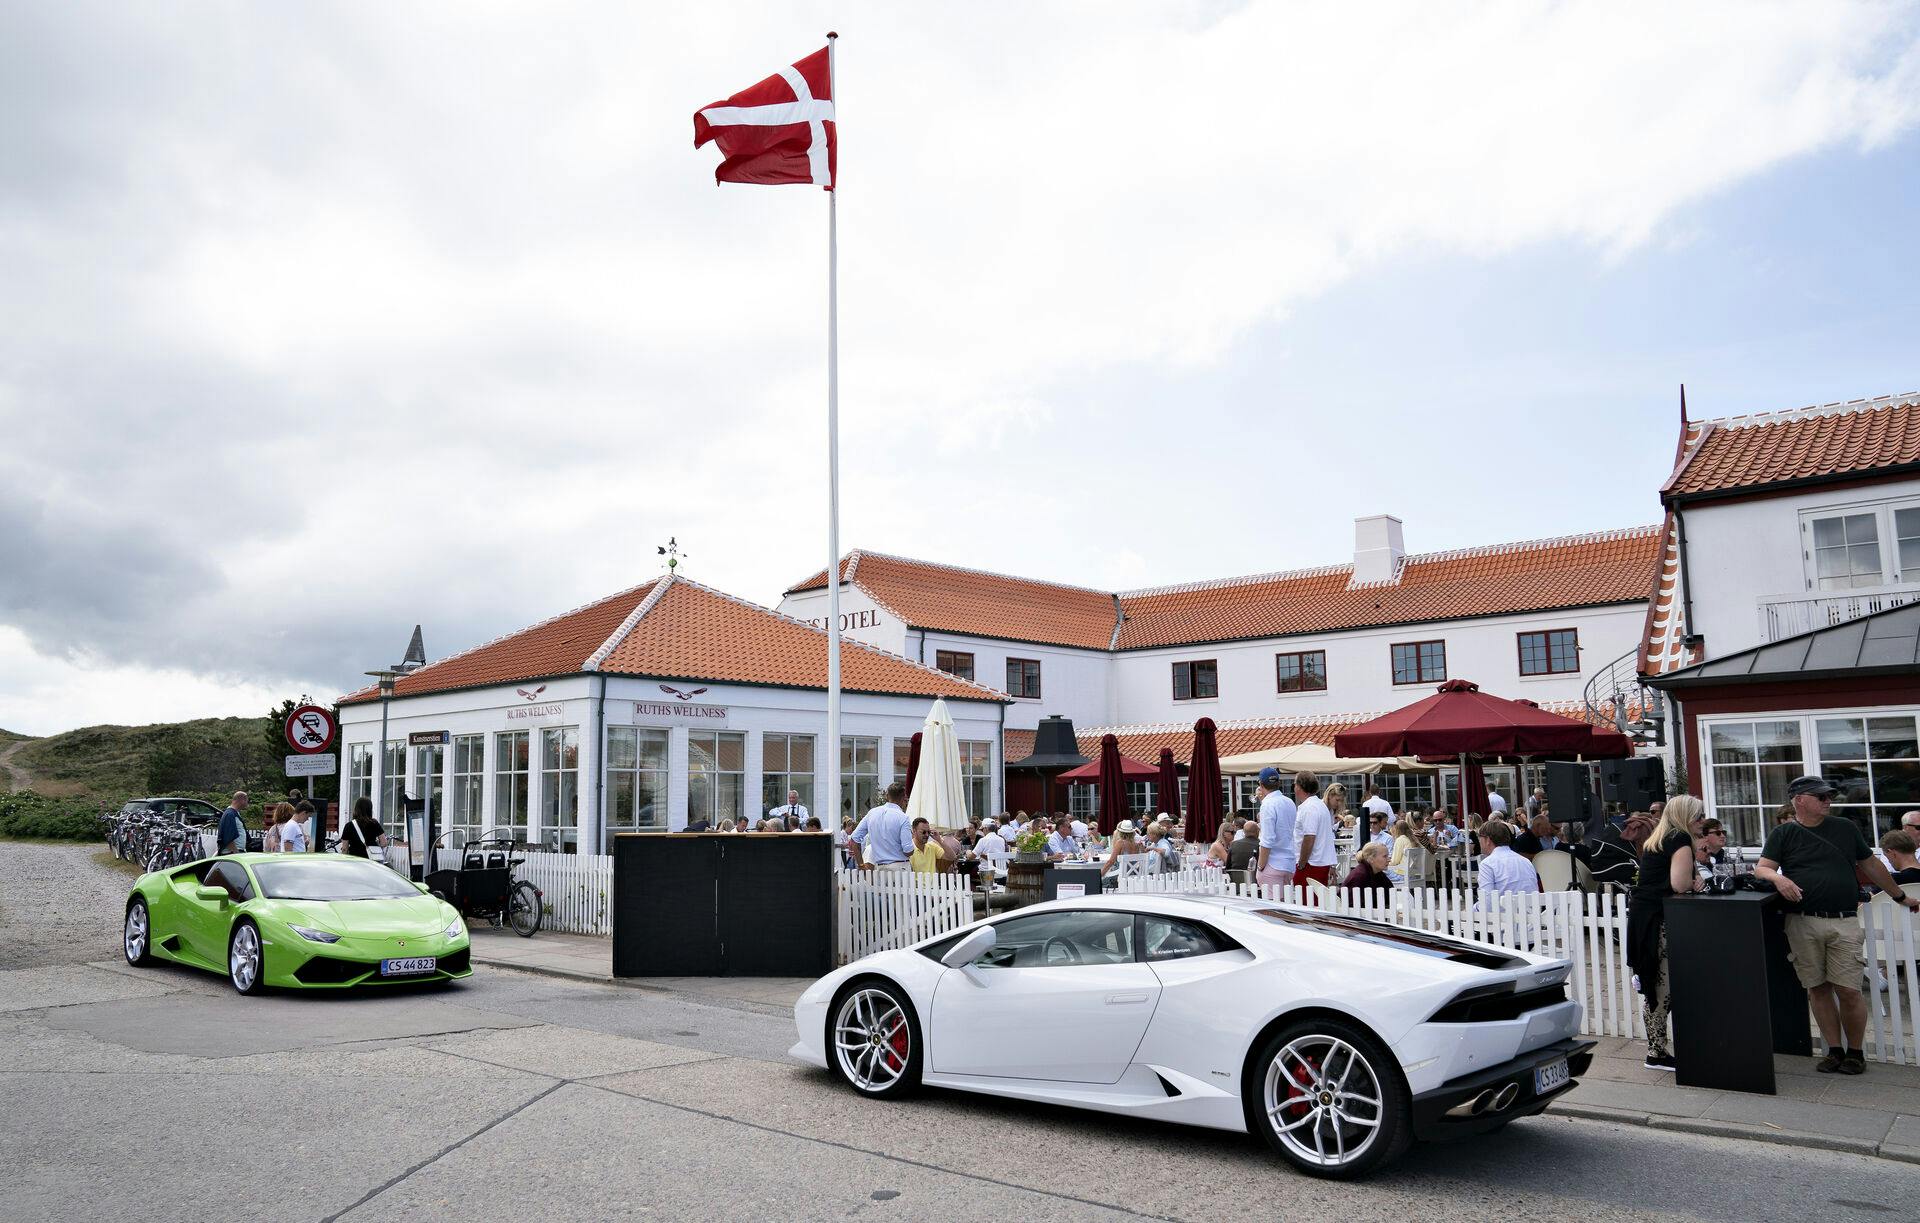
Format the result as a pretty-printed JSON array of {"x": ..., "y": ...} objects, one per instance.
[
  {"x": 1319, "y": 759},
  {"x": 938, "y": 791}
]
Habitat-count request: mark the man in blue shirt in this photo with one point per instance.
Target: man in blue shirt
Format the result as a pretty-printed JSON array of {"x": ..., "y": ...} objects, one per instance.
[
  {"x": 1277, "y": 814},
  {"x": 232, "y": 836},
  {"x": 885, "y": 834},
  {"x": 1062, "y": 843}
]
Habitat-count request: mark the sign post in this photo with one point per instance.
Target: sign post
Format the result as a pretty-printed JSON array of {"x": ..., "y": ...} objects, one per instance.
[{"x": 310, "y": 731}]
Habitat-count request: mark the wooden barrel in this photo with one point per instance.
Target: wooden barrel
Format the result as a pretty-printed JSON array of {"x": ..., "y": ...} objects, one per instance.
[{"x": 1026, "y": 882}]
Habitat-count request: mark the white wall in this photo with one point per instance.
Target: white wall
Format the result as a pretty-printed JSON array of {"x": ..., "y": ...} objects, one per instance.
[
  {"x": 570, "y": 702},
  {"x": 1073, "y": 683},
  {"x": 1360, "y": 667},
  {"x": 860, "y": 617},
  {"x": 1743, "y": 553}
]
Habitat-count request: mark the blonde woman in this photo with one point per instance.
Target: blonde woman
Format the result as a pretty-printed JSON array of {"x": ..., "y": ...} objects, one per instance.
[
  {"x": 1666, "y": 868},
  {"x": 1335, "y": 796},
  {"x": 1124, "y": 842},
  {"x": 1223, "y": 844},
  {"x": 1369, "y": 869},
  {"x": 1402, "y": 846}
]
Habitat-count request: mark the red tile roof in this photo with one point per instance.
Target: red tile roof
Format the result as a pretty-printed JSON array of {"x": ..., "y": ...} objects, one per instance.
[
  {"x": 1573, "y": 571},
  {"x": 1741, "y": 453},
  {"x": 1234, "y": 736},
  {"x": 674, "y": 628}
]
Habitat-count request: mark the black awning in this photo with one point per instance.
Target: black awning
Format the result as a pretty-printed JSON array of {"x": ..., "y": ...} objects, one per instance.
[{"x": 1880, "y": 643}]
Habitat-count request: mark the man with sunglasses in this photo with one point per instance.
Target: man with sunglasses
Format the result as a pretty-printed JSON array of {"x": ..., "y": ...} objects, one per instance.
[{"x": 1812, "y": 861}]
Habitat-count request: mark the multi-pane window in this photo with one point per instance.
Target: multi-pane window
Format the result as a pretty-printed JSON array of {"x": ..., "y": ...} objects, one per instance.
[
  {"x": 359, "y": 774},
  {"x": 860, "y": 775},
  {"x": 469, "y": 780},
  {"x": 1554, "y": 652},
  {"x": 1227, "y": 807},
  {"x": 716, "y": 776},
  {"x": 1875, "y": 763},
  {"x": 1906, "y": 544},
  {"x": 511, "y": 758},
  {"x": 1140, "y": 799},
  {"x": 1752, "y": 763},
  {"x": 393, "y": 788},
  {"x": 430, "y": 783},
  {"x": 1305, "y": 671},
  {"x": 1083, "y": 803},
  {"x": 1023, "y": 678},
  {"x": 953, "y": 662},
  {"x": 1194, "y": 681},
  {"x": 636, "y": 782},
  {"x": 1419, "y": 662},
  {"x": 560, "y": 788},
  {"x": 1846, "y": 551},
  {"x": 786, "y": 763},
  {"x": 976, "y": 775}
]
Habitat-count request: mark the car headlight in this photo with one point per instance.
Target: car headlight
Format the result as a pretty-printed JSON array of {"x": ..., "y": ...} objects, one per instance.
[
  {"x": 457, "y": 929},
  {"x": 315, "y": 936}
]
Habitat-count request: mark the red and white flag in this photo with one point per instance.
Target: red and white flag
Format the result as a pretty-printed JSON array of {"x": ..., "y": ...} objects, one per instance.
[{"x": 779, "y": 131}]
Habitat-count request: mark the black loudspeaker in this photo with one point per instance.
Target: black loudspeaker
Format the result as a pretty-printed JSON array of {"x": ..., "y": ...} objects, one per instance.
[
  {"x": 718, "y": 905},
  {"x": 1569, "y": 797},
  {"x": 1636, "y": 783}
]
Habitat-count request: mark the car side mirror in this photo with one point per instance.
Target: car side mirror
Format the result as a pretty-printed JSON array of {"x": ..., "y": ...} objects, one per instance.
[
  {"x": 203, "y": 892},
  {"x": 423, "y": 887},
  {"x": 970, "y": 948}
]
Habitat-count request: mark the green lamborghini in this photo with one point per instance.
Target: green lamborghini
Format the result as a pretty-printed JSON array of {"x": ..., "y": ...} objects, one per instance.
[{"x": 305, "y": 921}]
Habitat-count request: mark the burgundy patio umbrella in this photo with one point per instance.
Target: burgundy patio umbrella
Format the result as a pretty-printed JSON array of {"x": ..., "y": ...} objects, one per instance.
[
  {"x": 1473, "y": 789},
  {"x": 1113, "y": 786},
  {"x": 913, "y": 762},
  {"x": 1168, "y": 783},
  {"x": 1203, "y": 784}
]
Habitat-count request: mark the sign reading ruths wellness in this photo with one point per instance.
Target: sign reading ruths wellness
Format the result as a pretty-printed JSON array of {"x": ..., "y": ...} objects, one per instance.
[{"x": 679, "y": 706}]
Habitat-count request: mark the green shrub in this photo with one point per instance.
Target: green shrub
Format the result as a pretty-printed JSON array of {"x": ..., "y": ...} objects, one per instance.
[{"x": 26, "y": 814}]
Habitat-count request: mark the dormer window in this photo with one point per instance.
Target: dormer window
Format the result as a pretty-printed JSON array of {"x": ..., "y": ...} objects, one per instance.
[{"x": 1861, "y": 546}]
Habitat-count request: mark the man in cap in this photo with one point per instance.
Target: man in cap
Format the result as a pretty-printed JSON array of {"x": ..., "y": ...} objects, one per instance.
[
  {"x": 1277, "y": 816},
  {"x": 1813, "y": 862}
]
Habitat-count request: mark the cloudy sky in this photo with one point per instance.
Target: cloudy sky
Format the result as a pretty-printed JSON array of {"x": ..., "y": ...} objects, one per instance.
[{"x": 318, "y": 321}]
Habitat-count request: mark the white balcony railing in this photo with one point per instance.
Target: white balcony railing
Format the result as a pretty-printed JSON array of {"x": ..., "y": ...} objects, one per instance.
[{"x": 1788, "y": 617}]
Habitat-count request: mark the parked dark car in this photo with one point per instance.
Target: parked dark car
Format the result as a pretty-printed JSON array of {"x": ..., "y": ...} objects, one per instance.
[{"x": 187, "y": 810}]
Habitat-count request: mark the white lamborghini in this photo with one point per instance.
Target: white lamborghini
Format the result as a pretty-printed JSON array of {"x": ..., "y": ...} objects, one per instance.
[{"x": 1337, "y": 1040}]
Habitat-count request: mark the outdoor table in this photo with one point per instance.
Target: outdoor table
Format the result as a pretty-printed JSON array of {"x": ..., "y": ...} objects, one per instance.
[{"x": 1736, "y": 1000}]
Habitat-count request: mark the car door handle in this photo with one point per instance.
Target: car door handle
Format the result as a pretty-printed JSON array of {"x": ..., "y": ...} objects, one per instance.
[{"x": 1123, "y": 999}]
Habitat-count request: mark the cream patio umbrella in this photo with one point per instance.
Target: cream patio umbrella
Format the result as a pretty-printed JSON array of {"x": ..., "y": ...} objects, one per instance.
[
  {"x": 1319, "y": 758},
  {"x": 939, "y": 794}
]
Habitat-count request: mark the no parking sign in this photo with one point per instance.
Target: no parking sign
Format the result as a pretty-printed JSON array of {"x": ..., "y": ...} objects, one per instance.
[{"x": 309, "y": 729}]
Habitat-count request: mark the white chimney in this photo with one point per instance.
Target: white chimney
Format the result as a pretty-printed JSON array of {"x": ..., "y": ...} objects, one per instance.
[{"x": 1378, "y": 548}]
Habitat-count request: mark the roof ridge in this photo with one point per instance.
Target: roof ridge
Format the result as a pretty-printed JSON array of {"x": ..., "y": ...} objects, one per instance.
[
  {"x": 844, "y": 640},
  {"x": 626, "y": 626},
  {"x": 1278, "y": 575},
  {"x": 1531, "y": 545},
  {"x": 539, "y": 624},
  {"x": 985, "y": 573},
  {"x": 1844, "y": 407}
]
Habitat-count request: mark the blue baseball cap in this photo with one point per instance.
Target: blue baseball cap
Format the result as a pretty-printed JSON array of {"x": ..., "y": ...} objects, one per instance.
[{"x": 1270, "y": 777}]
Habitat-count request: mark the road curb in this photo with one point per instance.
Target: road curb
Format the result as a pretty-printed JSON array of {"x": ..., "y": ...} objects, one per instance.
[
  {"x": 545, "y": 970},
  {"x": 1736, "y": 1129}
]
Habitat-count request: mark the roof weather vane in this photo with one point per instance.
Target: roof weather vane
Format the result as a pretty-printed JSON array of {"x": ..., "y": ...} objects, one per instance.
[{"x": 672, "y": 552}]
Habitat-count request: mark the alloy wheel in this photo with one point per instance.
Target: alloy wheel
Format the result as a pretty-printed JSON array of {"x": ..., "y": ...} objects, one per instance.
[
  {"x": 1323, "y": 1100},
  {"x": 136, "y": 933},
  {"x": 872, "y": 1040},
  {"x": 243, "y": 960}
]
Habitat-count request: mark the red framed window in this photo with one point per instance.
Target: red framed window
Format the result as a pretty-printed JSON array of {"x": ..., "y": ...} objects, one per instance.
[
  {"x": 1023, "y": 678},
  {"x": 1553, "y": 652},
  {"x": 1419, "y": 662},
  {"x": 1194, "y": 681},
  {"x": 954, "y": 663},
  {"x": 1304, "y": 671}
]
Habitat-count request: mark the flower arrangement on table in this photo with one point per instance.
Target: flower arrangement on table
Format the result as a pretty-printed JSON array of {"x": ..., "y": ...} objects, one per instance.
[{"x": 1033, "y": 840}]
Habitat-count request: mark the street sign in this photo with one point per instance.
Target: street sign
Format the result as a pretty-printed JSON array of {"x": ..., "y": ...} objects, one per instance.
[
  {"x": 309, "y": 729},
  {"x": 313, "y": 764},
  {"x": 427, "y": 738}
]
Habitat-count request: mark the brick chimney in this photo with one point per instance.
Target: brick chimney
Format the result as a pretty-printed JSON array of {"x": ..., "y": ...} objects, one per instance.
[{"x": 1378, "y": 548}]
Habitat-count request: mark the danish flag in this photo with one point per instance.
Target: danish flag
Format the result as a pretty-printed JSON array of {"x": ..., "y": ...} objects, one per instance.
[{"x": 779, "y": 131}]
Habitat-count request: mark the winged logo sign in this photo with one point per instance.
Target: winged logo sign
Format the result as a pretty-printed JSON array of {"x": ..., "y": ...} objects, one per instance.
[
  {"x": 531, "y": 695},
  {"x": 679, "y": 694}
]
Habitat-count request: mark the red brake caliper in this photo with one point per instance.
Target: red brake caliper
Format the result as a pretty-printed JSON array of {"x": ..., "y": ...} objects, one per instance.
[
  {"x": 897, "y": 1041},
  {"x": 1299, "y": 1101}
]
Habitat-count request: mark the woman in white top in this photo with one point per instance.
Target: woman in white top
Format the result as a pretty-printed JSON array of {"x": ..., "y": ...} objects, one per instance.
[{"x": 291, "y": 830}]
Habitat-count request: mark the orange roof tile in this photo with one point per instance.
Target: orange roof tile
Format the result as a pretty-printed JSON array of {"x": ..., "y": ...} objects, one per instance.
[
  {"x": 1740, "y": 453},
  {"x": 674, "y": 628},
  {"x": 929, "y": 595}
]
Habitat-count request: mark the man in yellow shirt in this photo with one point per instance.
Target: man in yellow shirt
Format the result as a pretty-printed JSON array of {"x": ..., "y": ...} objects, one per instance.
[{"x": 926, "y": 851}]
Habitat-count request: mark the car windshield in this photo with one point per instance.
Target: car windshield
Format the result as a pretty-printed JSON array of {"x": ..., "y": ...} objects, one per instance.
[{"x": 341, "y": 879}]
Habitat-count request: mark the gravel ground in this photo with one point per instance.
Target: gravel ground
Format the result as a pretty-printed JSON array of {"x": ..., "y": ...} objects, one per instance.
[{"x": 58, "y": 905}]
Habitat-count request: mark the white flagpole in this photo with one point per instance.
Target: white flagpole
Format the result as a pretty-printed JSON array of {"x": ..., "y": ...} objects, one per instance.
[{"x": 831, "y": 819}]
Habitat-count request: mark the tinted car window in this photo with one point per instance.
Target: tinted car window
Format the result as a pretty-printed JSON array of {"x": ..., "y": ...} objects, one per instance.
[
  {"x": 1169, "y": 938},
  {"x": 341, "y": 878},
  {"x": 230, "y": 876},
  {"x": 1061, "y": 940}
]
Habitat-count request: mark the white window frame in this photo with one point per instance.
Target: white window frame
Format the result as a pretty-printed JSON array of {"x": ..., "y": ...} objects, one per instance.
[
  {"x": 1885, "y": 538},
  {"x": 629, "y": 821},
  {"x": 466, "y": 789},
  {"x": 501, "y": 818},
  {"x": 559, "y": 795},
  {"x": 775, "y": 782},
  {"x": 976, "y": 776},
  {"x": 1810, "y": 760}
]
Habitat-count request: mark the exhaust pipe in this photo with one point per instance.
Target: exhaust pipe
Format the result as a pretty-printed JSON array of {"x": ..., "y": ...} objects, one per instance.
[
  {"x": 1473, "y": 1107},
  {"x": 1505, "y": 1099}
]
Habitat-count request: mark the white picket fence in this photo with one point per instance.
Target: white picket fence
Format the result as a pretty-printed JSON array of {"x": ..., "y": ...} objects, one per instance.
[
  {"x": 1892, "y": 952},
  {"x": 576, "y": 889},
  {"x": 886, "y": 910}
]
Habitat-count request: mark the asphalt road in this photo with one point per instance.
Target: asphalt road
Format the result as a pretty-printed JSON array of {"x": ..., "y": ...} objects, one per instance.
[{"x": 160, "y": 1094}]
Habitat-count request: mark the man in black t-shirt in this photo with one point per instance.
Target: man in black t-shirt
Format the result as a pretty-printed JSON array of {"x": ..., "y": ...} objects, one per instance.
[{"x": 1813, "y": 861}]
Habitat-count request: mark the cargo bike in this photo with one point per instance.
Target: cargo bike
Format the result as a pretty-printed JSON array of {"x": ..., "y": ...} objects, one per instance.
[{"x": 484, "y": 887}]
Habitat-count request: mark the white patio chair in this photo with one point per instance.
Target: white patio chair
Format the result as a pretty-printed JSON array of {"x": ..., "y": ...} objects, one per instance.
[
  {"x": 1133, "y": 866},
  {"x": 1555, "y": 868}
]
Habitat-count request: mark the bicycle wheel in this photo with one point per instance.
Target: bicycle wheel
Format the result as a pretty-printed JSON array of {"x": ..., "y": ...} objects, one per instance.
[{"x": 523, "y": 909}]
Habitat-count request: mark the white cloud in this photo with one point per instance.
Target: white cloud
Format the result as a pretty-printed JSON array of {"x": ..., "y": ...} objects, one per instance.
[{"x": 386, "y": 314}]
